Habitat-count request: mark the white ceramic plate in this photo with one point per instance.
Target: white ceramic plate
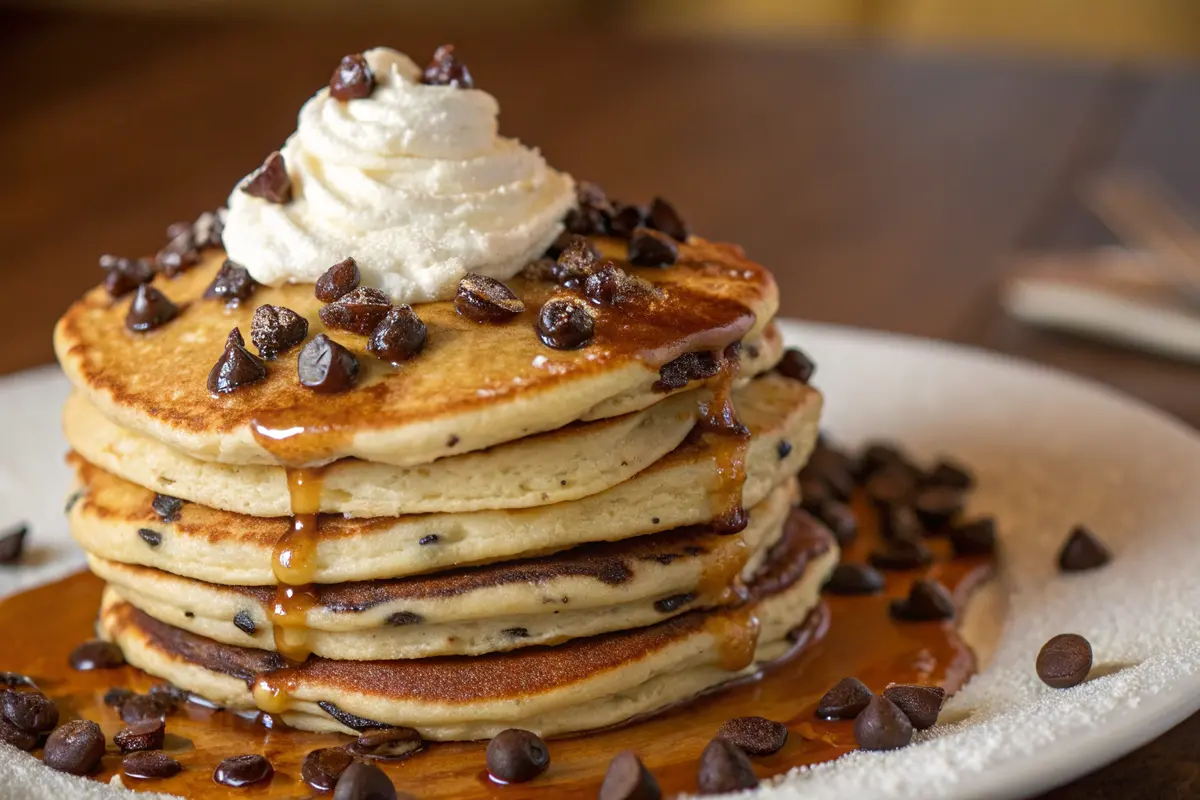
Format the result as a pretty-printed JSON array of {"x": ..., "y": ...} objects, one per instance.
[{"x": 1050, "y": 451}]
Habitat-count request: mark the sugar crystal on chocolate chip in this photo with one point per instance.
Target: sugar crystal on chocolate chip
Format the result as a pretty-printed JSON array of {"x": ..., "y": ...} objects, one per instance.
[
  {"x": 338, "y": 281},
  {"x": 649, "y": 248},
  {"x": 446, "y": 70},
  {"x": 276, "y": 330},
  {"x": 352, "y": 79},
  {"x": 484, "y": 299},
  {"x": 358, "y": 311}
]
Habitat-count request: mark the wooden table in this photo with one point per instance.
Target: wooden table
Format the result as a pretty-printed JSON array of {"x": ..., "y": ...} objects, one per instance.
[{"x": 884, "y": 189}]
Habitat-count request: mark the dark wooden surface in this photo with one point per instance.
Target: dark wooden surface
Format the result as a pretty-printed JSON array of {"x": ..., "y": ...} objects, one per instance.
[{"x": 884, "y": 189}]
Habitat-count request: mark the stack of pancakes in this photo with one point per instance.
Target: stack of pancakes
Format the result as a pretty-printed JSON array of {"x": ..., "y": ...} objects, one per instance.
[{"x": 491, "y": 534}]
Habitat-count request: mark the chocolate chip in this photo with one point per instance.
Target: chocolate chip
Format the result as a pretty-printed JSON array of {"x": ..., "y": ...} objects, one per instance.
[
  {"x": 322, "y": 768},
  {"x": 76, "y": 747},
  {"x": 927, "y": 601},
  {"x": 15, "y": 680},
  {"x": 232, "y": 284},
  {"x": 349, "y": 720},
  {"x": 352, "y": 79},
  {"x": 679, "y": 372},
  {"x": 209, "y": 227},
  {"x": 399, "y": 336},
  {"x": 516, "y": 633},
  {"x": 974, "y": 538},
  {"x": 179, "y": 255},
  {"x": 150, "y": 537},
  {"x": 326, "y": 367},
  {"x": 146, "y": 734},
  {"x": 649, "y": 248},
  {"x": 902, "y": 553},
  {"x": 167, "y": 508},
  {"x": 937, "y": 505},
  {"x": 387, "y": 743},
  {"x": 663, "y": 217},
  {"x": 270, "y": 181},
  {"x": 72, "y": 499},
  {"x": 338, "y": 281},
  {"x": 593, "y": 212},
  {"x": 851, "y": 579},
  {"x": 610, "y": 285},
  {"x": 485, "y": 299},
  {"x": 243, "y": 770},
  {"x": 840, "y": 519},
  {"x": 796, "y": 365},
  {"x": 276, "y": 329},
  {"x": 12, "y": 544},
  {"x": 123, "y": 275},
  {"x": 560, "y": 243},
  {"x": 877, "y": 456},
  {"x": 1064, "y": 661},
  {"x": 116, "y": 696},
  {"x": 11, "y": 734},
  {"x": 758, "y": 736},
  {"x": 921, "y": 704},
  {"x": 628, "y": 779},
  {"x": 245, "y": 623},
  {"x": 575, "y": 263},
  {"x": 237, "y": 367},
  {"x": 96, "y": 654},
  {"x": 845, "y": 700},
  {"x": 404, "y": 618},
  {"x": 882, "y": 726},
  {"x": 358, "y": 311},
  {"x": 950, "y": 474},
  {"x": 724, "y": 768},
  {"x": 627, "y": 218},
  {"x": 149, "y": 309},
  {"x": 431, "y": 538},
  {"x": 669, "y": 605},
  {"x": 890, "y": 486},
  {"x": 362, "y": 781},
  {"x": 516, "y": 756},
  {"x": 141, "y": 707},
  {"x": 30, "y": 711},
  {"x": 783, "y": 449},
  {"x": 564, "y": 324},
  {"x": 150, "y": 765},
  {"x": 170, "y": 696},
  {"x": 1082, "y": 551},
  {"x": 446, "y": 70},
  {"x": 731, "y": 521}
]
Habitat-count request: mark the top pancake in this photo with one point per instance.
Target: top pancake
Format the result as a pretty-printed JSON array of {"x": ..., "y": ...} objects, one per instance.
[{"x": 474, "y": 385}]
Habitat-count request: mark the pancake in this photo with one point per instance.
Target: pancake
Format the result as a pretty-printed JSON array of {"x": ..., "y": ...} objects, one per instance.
[
  {"x": 581, "y": 685},
  {"x": 112, "y": 518},
  {"x": 588, "y": 590},
  {"x": 472, "y": 386},
  {"x": 566, "y": 464}
]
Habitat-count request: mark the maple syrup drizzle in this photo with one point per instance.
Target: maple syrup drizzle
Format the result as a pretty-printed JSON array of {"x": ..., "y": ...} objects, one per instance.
[
  {"x": 728, "y": 440},
  {"x": 736, "y": 632},
  {"x": 720, "y": 580}
]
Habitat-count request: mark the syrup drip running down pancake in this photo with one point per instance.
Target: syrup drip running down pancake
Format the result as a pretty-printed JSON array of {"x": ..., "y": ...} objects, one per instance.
[
  {"x": 585, "y": 591},
  {"x": 582, "y": 685},
  {"x": 472, "y": 386}
]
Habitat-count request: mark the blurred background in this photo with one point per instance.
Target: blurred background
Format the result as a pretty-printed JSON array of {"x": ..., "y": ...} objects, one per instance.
[
  {"x": 926, "y": 167},
  {"x": 901, "y": 164}
]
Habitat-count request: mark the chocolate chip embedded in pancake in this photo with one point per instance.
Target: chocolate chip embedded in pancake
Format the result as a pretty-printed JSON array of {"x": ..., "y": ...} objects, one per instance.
[{"x": 486, "y": 384}]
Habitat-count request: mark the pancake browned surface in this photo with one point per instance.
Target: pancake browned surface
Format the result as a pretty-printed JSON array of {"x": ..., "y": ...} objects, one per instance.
[
  {"x": 580, "y": 685},
  {"x": 472, "y": 386}
]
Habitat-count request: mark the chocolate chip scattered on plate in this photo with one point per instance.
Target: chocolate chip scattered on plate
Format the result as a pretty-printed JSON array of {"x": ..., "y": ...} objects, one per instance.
[
  {"x": 1082, "y": 551},
  {"x": 1064, "y": 661},
  {"x": 484, "y": 299},
  {"x": 516, "y": 756},
  {"x": 724, "y": 767},
  {"x": 757, "y": 736},
  {"x": 75, "y": 747},
  {"x": 270, "y": 181},
  {"x": 845, "y": 700},
  {"x": 921, "y": 704},
  {"x": 12, "y": 735},
  {"x": 927, "y": 601},
  {"x": 901, "y": 553},
  {"x": 352, "y": 79},
  {"x": 12, "y": 543},
  {"x": 30, "y": 711},
  {"x": 145, "y": 734},
  {"x": 628, "y": 779},
  {"x": 238, "y": 771},
  {"x": 796, "y": 365},
  {"x": 149, "y": 765},
  {"x": 322, "y": 768},
  {"x": 363, "y": 781},
  {"x": 854, "y": 579},
  {"x": 387, "y": 743},
  {"x": 974, "y": 538},
  {"x": 882, "y": 726},
  {"x": 338, "y": 281},
  {"x": 96, "y": 654}
]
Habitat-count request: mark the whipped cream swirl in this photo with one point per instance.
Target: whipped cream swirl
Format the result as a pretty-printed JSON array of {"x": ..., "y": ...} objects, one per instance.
[{"x": 413, "y": 182}]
